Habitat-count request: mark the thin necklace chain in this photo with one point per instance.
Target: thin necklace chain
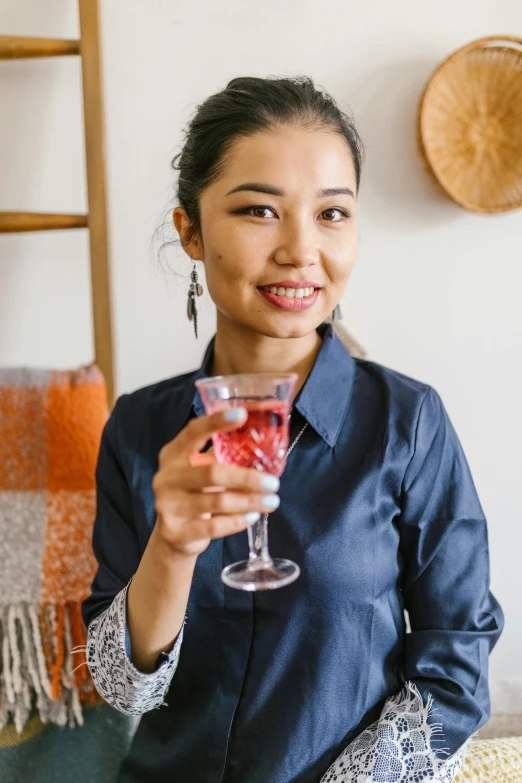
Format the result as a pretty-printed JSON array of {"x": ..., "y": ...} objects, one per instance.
[
  {"x": 297, "y": 438},
  {"x": 287, "y": 453}
]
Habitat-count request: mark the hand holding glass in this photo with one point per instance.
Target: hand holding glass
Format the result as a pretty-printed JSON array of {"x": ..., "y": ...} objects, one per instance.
[{"x": 261, "y": 443}]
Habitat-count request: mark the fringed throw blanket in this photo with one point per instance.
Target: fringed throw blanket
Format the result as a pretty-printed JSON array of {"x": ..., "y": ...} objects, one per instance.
[{"x": 50, "y": 429}]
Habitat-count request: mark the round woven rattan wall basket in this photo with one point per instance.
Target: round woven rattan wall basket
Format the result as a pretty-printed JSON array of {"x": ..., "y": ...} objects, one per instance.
[{"x": 469, "y": 127}]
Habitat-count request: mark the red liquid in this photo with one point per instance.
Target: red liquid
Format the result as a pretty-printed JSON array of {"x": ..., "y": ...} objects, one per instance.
[{"x": 261, "y": 442}]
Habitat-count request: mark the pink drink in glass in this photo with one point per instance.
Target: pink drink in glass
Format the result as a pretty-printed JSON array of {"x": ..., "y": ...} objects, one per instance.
[{"x": 261, "y": 442}]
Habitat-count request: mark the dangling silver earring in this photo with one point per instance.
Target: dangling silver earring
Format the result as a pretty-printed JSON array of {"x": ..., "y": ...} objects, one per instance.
[
  {"x": 337, "y": 314},
  {"x": 195, "y": 290}
]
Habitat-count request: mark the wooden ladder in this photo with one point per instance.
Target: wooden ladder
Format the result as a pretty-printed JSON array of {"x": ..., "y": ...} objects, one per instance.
[{"x": 88, "y": 48}]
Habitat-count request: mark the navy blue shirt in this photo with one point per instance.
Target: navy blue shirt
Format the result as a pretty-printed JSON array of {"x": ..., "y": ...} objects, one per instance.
[{"x": 379, "y": 510}]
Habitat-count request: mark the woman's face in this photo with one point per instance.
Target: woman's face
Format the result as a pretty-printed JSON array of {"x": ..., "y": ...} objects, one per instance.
[{"x": 274, "y": 216}]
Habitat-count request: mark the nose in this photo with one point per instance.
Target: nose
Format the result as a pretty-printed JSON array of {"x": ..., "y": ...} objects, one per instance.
[{"x": 296, "y": 244}]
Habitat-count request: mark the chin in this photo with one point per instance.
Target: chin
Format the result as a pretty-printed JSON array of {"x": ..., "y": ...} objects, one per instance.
[{"x": 288, "y": 330}]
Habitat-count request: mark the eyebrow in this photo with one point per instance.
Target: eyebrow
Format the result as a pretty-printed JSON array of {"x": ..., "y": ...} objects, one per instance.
[{"x": 258, "y": 188}]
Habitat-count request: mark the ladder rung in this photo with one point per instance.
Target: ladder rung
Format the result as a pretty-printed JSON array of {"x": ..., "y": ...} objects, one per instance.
[
  {"x": 14, "y": 47},
  {"x": 12, "y": 222}
]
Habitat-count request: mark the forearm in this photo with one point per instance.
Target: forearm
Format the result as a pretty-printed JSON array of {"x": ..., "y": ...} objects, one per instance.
[{"x": 157, "y": 601}]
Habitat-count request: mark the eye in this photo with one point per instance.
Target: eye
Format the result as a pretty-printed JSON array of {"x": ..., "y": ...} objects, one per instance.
[
  {"x": 253, "y": 210},
  {"x": 257, "y": 211},
  {"x": 342, "y": 212}
]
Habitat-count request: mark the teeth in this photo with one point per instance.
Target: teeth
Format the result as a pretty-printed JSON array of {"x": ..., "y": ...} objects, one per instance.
[{"x": 291, "y": 293}]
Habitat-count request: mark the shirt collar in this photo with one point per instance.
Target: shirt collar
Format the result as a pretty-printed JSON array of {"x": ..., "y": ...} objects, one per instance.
[{"x": 323, "y": 399}]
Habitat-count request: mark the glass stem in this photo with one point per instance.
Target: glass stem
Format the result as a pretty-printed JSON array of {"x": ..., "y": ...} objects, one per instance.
[{"x": 258, "y": 543}]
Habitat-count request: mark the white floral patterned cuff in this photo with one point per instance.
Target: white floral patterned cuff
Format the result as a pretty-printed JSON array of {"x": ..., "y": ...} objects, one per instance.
[
  {"x": 396, "y": 748},
  {"x": 116, "y": 678}
]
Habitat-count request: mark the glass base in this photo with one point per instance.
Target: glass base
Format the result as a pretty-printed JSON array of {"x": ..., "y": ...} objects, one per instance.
[{"x": 260, "y": 574}]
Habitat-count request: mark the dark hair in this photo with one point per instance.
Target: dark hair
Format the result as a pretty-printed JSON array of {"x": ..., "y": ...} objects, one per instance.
[{"x": 247, "y": 105}]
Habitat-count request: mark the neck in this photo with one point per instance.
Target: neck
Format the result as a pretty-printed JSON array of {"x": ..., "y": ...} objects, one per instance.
[{"x": 237, "y": 350}]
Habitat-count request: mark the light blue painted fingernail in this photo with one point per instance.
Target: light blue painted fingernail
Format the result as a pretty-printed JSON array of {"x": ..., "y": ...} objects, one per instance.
[
  {"x": 252, "y": 516},
  {"x": 271, "y": 501},
  {"x": 270, "y": 483},
  {"x": 235, "y": 414}
]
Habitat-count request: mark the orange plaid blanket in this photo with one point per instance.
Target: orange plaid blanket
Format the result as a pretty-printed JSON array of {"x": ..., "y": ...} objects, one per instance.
[{"x": 50, "y": 430}]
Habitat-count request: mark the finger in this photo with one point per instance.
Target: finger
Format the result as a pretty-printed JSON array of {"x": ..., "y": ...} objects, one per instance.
[
  {"x": 187, "y": 505},
  {"x": 218, "y": 526},
  {"x": 199, "y": 430},
  {"x": 215, "y": 474},
  {"x": 207, "y": 458}
]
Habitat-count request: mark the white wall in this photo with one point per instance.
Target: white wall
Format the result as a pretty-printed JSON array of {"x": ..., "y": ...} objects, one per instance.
[{"x": 436, "y": 291}]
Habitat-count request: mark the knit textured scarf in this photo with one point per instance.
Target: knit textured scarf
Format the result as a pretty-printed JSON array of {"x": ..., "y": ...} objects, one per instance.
[{"x": 50, "y": 429}]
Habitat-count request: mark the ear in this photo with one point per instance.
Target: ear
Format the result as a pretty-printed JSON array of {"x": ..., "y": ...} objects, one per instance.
[{"x": 191, "y": 246}]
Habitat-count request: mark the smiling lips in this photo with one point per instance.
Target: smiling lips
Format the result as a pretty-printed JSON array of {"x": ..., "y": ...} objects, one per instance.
[
  {"x": 290, "y": 293},
  {"x": 295, "y": 298}
]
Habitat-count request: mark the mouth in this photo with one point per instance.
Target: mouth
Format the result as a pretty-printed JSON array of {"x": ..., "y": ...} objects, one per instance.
[{"x": 294, "y": 299}]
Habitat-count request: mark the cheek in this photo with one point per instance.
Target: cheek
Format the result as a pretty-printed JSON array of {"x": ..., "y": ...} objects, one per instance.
[
  {"x": 347, "y": 255},
  {"x": 231, "y": 261},
  {"x": 342, "y": 264},
  {"x": 225, "y": 272}
]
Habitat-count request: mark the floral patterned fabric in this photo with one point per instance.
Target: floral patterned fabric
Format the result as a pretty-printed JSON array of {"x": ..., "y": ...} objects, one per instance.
[
  {"x": 116, "y": 678},
  {"x": 397, "y": 748}
]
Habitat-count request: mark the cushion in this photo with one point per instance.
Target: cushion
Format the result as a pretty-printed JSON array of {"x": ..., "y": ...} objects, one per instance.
[{"x": 492, "y": 761}]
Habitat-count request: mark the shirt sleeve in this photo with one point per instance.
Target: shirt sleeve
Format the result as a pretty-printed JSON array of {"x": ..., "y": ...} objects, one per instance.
[
  {"x": 424, "y": 731},
  {"x": 117, "y": 551},
  {"x": 398, "y": 747},
  {"x": 116, "y": 678}
]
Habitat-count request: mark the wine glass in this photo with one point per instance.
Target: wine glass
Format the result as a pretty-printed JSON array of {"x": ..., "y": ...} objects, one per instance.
[{"x": 261, "y": 443}]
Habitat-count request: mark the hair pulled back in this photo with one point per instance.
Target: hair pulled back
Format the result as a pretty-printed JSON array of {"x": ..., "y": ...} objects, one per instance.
[{"x": 248, "y": 105}]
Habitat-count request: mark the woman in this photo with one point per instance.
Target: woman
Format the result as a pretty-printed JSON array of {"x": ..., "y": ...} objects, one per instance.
[{"x": 319, "y": 680}]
